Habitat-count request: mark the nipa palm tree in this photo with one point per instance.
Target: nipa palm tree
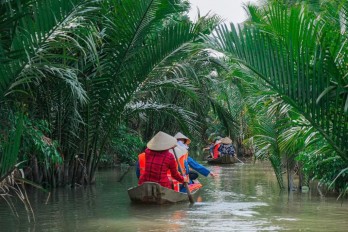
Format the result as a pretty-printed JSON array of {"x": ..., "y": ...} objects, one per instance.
[
  {"x": 82, "y": 66},
  {"x": 39, "y": 46},
  {"x": 300, "y": 56}
]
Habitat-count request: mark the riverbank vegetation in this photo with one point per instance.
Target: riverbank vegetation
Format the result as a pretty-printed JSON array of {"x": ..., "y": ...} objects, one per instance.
[
  {"x": 292, "y": 58},
  {"x": 80, "y": 71},
  {"x": 86, "y": 82}
]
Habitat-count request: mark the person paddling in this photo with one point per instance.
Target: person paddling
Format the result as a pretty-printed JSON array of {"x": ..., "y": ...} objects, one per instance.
[
  {"x": 158, "y": 161},
  {"x": 184, "y": 142}
]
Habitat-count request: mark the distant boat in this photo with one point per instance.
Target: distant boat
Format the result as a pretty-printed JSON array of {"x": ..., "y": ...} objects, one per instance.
[
  {"x": 153, "y": 193},
  {"x": 226, "y": 159}
]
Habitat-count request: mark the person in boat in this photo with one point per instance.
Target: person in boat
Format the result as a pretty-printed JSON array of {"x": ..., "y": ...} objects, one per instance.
[
  {"x": 226, "y": 147},
  {"x": 215, "y": 149},
  {"x": 189, "y": 162},
  {"x": 210, "y": 149},
  {"x": 140, "y": 164},
  {"x": 158, "y": 161},
  {"x": 180, "y": 153}
]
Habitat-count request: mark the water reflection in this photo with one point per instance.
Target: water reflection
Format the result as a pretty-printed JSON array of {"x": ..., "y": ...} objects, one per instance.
[{"x": 241, "y": 198}]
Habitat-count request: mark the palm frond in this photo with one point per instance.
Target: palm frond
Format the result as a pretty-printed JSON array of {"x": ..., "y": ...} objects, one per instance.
[
  {"x": 34, "y": 27},
  {"x": 10, "y": 147},
  {"x": 182, "y": 117},
  {"x": 225, "y": 117},
  {"x": 291, "y": 53}
]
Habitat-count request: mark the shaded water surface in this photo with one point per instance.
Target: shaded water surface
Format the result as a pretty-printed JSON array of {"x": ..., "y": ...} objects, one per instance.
[{"x": 242, "y": 198}]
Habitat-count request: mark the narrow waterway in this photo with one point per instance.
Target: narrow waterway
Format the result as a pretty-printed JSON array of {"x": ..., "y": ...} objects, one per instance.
[{"x": 242, "y": 198}]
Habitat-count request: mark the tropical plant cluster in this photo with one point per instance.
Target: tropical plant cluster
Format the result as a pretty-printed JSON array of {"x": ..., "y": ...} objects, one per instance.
[
  {"x": 84, "y": 82},
  {"x": 292, "y": 62}
]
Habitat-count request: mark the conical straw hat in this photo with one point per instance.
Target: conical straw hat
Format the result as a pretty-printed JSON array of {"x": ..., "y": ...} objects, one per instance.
[
  {"x": 179, "y": 151},
  {"x": 179, "y": 135},
  {"x": 226, "y": 140},
  {"x": 161, "y": 141}
]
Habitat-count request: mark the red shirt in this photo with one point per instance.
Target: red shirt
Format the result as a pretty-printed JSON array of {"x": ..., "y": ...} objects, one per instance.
[{"x": 156, "y": 167}]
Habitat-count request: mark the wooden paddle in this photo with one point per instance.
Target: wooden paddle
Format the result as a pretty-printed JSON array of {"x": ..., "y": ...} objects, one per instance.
[
  {"x": 239, "y": 160},
  {"x": 192, "y": 201},
  {"x": 124, "y": 174}
]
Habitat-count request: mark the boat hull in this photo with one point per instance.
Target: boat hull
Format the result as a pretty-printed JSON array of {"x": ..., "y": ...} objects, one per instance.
[
  {"x": 153, "y": 193},
  {"x": 223, "y": 160}
]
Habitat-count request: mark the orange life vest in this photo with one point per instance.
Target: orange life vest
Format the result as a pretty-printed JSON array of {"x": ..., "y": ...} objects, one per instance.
[
  {"x": 142, "y": 162},
  {"x": 176, "y": 184},
  {"x": 181, "y": 160},
  {"x": 216, "y": 151},
  {"x": 195, "y": 186}
]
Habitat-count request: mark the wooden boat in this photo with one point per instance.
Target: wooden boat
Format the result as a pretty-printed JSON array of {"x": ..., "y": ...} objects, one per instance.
[
  {"x": 227, "y": 159},
  {"x": 153, "y": 193}
]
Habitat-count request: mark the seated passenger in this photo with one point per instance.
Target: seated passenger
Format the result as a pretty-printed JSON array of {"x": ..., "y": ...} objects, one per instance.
[
  {"x": 181, "y": 155},
  {"x": 158, "y": 160},
  {"x": 226, "y": 147},
  {"x": 184, "y": 142},
  {"x": 215, "y": 149},
  {"x": 210, "y": 149},
  {"x": 140, "y": 165}
]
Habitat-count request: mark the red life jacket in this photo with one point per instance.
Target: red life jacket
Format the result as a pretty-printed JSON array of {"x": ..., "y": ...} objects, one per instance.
[
  {"x": 142, "y": 162},
  {"x": 216, "y": 151}
]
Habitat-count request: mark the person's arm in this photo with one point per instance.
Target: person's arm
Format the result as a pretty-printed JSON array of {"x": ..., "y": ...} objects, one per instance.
[
  {"x": 211, "y": 150},
  {"x": 173, "y": 169},
  {"x": 198, "y": 167}
]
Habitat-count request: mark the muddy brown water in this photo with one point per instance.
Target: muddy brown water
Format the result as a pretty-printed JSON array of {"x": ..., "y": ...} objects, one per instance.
[{"x": 242, "y": 198}]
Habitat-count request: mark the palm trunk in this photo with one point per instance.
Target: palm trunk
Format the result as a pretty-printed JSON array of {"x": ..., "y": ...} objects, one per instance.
[
  {"x": 35, "y": 170},
  {"x": 277, "y": 167},
  {"x": 66, "y": 172}
]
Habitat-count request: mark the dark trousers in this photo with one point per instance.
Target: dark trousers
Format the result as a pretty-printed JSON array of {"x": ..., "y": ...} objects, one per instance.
[{"x": 193, "y": 175}]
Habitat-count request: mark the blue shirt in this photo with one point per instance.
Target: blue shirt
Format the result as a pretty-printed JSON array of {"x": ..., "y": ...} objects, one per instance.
[{"x": 197, "y": 167}]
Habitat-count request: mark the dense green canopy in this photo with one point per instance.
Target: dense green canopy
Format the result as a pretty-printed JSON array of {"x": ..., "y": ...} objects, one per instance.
[{"x": 83, "y": 80}]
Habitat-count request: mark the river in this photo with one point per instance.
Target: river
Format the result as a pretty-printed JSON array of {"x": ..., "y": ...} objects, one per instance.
[{"x": 242, "y": 198}]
